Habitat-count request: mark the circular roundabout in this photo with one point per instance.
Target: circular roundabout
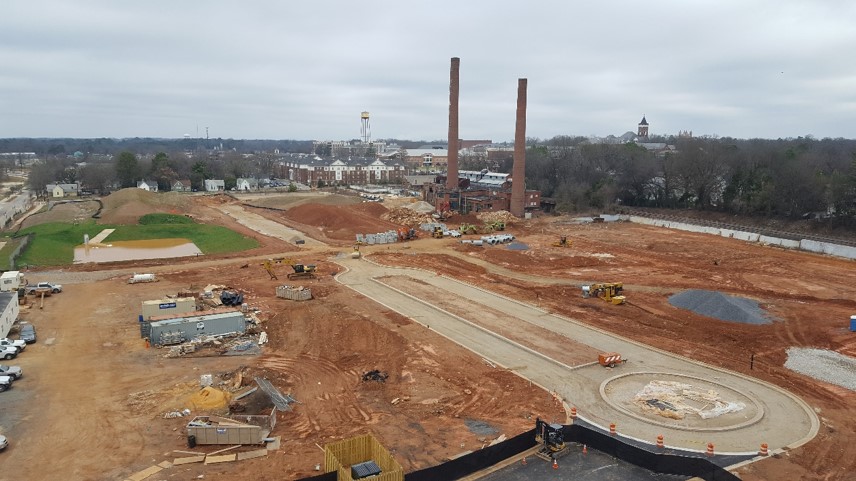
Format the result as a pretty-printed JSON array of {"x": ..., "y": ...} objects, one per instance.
[{"x": 681, "y": 402}]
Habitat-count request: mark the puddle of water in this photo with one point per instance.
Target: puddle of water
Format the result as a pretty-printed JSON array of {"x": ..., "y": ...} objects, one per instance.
[{"x": 135, "y": 250}]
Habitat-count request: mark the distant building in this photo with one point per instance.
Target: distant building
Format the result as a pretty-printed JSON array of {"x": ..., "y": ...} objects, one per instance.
[
  {"x": 343, "y": 172},
  {"x": 425, "y": 160},
  {"x": 63, "y": 190},
  {"x": 182, "y": 185},
  {"x": 245, "y": 184},
  {"x": 148, "y": 185},
  {"x": 642, "y": 128},
  {"x": 215, "y": 185}
]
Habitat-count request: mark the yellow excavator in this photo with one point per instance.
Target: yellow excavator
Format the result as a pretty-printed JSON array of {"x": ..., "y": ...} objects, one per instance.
[
  {"x": 301, "y": 271},
  {"x": 608, "y": 291},
  {"x": 563, "y": 242}
]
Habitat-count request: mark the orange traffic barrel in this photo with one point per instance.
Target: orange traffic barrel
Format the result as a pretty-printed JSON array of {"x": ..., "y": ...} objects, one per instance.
[
  {"x": 660, "y": 441},
  {"x": 763, "y": 451},
  {"x": 612, "y": 429},
  {"x": 710, "y": 449},
  {"x": 573, "y": 413}
]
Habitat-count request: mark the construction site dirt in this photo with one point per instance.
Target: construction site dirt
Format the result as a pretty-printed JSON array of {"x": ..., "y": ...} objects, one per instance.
[{"x": 107, "y": 423}]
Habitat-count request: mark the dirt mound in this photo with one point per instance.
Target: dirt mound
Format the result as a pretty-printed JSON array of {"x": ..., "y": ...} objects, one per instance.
[
  {"x": 126, "y": 206},
  {"x": 342, "y": 222},
  {"x": 720, "y": 306},
  {"x": 209, "y": 399}
]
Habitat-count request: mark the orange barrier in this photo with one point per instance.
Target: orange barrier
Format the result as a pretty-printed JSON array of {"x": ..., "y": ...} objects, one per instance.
[
  {"x": 763, "y": 451},
  {"x": 660, "y": 441},
  {"x": 709, "y": 449},
  {"x": 612, "y": 429}
]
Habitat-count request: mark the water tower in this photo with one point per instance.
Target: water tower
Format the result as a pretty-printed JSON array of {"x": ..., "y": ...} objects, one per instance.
[{"x": 365, "y": 128}]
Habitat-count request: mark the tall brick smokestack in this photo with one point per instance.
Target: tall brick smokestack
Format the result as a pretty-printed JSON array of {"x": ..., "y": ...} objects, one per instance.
[
  {"x": 518, "y": 172},
  {"x": 452, "y": 169}
]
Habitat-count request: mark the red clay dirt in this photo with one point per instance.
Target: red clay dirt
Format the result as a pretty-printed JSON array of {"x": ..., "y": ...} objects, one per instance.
[{"x": 319, "y": 349}]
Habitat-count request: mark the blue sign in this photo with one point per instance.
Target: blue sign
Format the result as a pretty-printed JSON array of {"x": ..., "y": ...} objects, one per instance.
[{"x": 167, "y": 305}]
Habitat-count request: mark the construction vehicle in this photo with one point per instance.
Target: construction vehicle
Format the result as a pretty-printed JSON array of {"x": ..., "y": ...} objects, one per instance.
[
  {"x": 407, "y": 234},
  {"x": 610, "y": 359},
  {"x": 356, "y": 254},
  {"x": 468, "y": 229},
  {"x": 437, "y": 233},
  {"x": 551, "y": 438},
  {"x": 495, "y": 225},
  {"x": 301, "y": 271},
  {"x": 563, "y": 242},
  {"x": 609, "y": 292}
]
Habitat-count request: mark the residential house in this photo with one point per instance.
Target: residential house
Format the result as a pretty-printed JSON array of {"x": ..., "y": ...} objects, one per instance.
[
  {"x": 148, "y": 185},
  {"x": 215, "y": 185},
  {"x": 181, "y": 186},
  {"x": 244, "y": 184},
  {"x": 63, "y": 190}
]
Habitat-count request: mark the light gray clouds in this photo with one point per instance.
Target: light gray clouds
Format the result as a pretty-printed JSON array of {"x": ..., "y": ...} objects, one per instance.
[{"x": 305, "y": 70}]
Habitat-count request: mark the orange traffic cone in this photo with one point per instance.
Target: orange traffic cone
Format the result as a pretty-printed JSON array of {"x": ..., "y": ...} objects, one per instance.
[
  {"x": 585, "y": 449},
  {"x": 523, "y": 462},
  {"x": 555, "y": 464}
]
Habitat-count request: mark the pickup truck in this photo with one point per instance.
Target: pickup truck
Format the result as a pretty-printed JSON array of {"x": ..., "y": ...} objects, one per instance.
[
  {"x": 34, "y": 288},
  {"x": 13, "y": 343}
]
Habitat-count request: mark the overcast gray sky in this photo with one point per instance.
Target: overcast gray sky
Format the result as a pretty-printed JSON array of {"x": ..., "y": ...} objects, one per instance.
[{"x": 305, "y": 70}]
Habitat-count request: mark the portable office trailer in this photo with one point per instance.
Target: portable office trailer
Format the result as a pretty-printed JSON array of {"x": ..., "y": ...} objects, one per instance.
[
  {"x": 11, "y": 281},
  {"x": 182, "y": 329},
  {"x": 168, "y": 307},
  {"x": 248, "y": 429}
]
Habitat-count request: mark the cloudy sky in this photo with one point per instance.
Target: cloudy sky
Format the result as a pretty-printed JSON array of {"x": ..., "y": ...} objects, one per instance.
[{"x": 305, "y": 70}]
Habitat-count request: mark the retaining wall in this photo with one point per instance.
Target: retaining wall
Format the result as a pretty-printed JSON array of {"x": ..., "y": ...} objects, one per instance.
[
  {"x": 686, "y": 464},
  {"x": 808, "y": 245}
]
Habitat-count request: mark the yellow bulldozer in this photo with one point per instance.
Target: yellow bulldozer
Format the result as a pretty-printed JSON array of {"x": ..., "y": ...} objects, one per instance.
[
  {"x": 608, "y": 291},
  {"x": 437, "y": 233},
  {"x": 563, "y": 242}
]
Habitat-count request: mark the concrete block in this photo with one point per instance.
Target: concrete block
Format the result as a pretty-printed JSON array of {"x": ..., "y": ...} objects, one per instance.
[
  {"x": 225, "y": 458},
  {"x": 252, "y": 454}
]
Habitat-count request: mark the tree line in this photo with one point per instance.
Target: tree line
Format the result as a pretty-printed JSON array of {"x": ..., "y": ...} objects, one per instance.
[{"x": 789, "y": 178}]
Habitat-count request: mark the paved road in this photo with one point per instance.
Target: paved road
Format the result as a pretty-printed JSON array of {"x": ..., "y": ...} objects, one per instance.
[{"x": 786, "y": 421}]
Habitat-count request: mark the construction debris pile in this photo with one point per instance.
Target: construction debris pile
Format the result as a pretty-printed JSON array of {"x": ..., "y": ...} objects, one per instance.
[
  {"x": 671, "y": 399},
  {"x": 232, "y": 344},
  {"x": 498, "y": 216},
  {"x": 407, "y": 216},
  {"x": 375, "y": 375}
]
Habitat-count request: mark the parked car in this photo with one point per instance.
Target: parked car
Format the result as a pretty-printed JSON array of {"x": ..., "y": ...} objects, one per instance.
[
  {"x": 16, "y": 343},
  {"x": 3, "y": 442},
  {"x": 12, "y": 371},
  {"x": 27, "y": 333},
  {"x": 33, "y": 288},
  {"x": 8, "y": 352},
  {"x": 5, "y": 383}
]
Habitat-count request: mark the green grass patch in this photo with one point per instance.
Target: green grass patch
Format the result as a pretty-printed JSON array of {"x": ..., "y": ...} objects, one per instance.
[
  {"x": 152, "y": 219},
  {"x": 53, "y": 243}
]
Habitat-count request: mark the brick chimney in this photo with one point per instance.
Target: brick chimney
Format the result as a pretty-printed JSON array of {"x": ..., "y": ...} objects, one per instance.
[
  {"x": 518, "y": 171},
  {"x": 452, "y": 165}
]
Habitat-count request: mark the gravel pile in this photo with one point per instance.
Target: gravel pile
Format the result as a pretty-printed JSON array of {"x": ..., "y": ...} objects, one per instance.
[
  {"x": 823, "y": 365},
  {"x": 720, "y": 306}
]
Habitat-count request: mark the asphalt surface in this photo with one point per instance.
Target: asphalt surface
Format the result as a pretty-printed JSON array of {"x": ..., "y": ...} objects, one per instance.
[{"x": 786, "y": 421}]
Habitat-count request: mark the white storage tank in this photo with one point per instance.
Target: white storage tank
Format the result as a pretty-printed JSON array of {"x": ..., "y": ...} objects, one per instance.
[{"x": 142, "y": 278}]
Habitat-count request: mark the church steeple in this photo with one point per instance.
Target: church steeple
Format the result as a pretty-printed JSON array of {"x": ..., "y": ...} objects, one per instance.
[{"x": 643, "y": 128}]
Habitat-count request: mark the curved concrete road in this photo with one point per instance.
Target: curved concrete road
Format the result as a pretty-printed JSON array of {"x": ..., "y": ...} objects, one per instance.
[{"x": 786, "y": 420}]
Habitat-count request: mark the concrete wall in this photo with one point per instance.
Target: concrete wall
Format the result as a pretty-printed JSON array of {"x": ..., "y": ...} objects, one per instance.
[{"x": 804, "y": 244}]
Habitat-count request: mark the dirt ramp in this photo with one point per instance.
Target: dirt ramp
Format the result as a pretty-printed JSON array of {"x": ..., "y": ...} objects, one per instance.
[
  {"x": 342, "y": 222},
  {"x": 126, "y": 206}
]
